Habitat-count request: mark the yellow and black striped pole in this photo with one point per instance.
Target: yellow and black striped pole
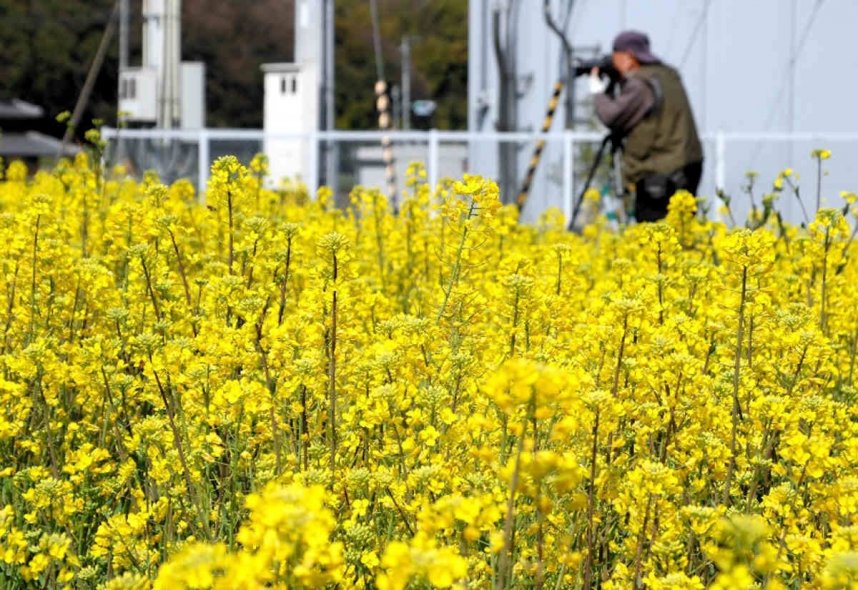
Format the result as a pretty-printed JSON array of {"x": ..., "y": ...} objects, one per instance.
[
  {"x": 540, "y": 145},
  {"x": 382, "y": 103}
]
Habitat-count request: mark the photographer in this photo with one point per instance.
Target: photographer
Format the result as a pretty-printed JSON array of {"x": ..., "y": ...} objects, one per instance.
[{"x": 661, "y": 150}]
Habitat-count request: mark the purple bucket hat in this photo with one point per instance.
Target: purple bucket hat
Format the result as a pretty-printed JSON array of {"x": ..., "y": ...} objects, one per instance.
[{"x": 638, "y": 44}]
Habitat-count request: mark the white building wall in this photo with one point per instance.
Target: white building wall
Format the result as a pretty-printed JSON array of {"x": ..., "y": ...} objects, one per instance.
[
  {"x": 536, "y": 54},
  {"x": 290, "y": 107},
  {"x": 736, "y": 59},
  {"x": 138, "y": 94},
  {"x": 193, "y": 94}
]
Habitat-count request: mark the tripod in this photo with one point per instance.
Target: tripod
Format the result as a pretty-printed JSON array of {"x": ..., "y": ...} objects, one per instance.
[{"x": 615, "y": 141}]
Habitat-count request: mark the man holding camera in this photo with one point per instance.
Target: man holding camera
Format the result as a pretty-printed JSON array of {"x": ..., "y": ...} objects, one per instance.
[{"x": 651, "y": 113}]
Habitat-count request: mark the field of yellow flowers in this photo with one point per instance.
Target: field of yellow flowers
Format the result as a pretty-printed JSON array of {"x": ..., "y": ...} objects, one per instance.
[{"x": 266, "y": 391}]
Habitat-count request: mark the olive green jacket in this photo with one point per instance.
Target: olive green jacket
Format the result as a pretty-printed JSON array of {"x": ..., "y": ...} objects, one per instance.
[{"x": 654, "y": 114}]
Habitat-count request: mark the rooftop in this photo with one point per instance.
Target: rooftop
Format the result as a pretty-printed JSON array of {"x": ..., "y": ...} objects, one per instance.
[
  {"x": 33, "y": 144},
  {"x": 281, "y": 67},
  {"x": 14, "y": 108}
]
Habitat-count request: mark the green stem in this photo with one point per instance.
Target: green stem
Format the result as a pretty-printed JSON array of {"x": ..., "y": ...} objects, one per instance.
[
  {"x": 823, "y": 303},
  {"x": 149, "y": 288},
  {"x": 638, "y": 583},
  {"x": 167, "y": 399},
  {"x": 284, "y": 282},
  {"x": 454, "y": 274},
  {"x": 616, "y": 384},
  {"x": 506, "y": 555},
  {"x": 736, "y": 414},
  {"x": 33, "y": 280},
  {"x": 181, "y": 266},
  {"x": 332, "y": 372},
  {"x": 379, "y": 239},
  {"x": 818, "y": 182},
  {"x": 591, "y": 503},
  {"x": 231, "y": 237}
]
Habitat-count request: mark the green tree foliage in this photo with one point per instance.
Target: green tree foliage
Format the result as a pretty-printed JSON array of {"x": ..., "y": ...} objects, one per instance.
[
  {"x": 233, "y": 38},
  {"x": 439, "y": 57},
  {"x": 48, "y": 46}
]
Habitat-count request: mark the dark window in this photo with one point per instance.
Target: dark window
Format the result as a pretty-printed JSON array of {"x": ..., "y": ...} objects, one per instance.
[
  {"x": 294, "y": 84},
  {"x": 283, "y": 85}
]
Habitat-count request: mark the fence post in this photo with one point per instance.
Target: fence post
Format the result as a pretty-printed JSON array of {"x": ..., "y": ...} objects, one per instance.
[
  {"x": 313, "y": 180},
  {"x": 432, "y": 166},
  {"x": 203, "y": 164},
  {"x": 720, "y": 157},
  {"x": 568, "y": 175},
  {"x": 109, "y": 134}
]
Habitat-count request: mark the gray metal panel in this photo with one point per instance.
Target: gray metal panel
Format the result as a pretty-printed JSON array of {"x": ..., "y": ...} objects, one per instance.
[
  {"x": 762, "y": 66},
  {"x": 193, "y": 81},
  {"x": 536, "y": 54},
  {"x": 32, "y": 145},
  {"x": 19, "y": 109}
]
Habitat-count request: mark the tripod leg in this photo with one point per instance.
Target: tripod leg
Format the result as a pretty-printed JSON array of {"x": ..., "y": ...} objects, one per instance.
[{"x": 590, "y": 174}]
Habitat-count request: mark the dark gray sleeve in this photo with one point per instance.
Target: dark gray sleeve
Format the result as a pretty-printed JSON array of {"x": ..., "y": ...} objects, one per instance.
[{"x": 625, "y": 111}]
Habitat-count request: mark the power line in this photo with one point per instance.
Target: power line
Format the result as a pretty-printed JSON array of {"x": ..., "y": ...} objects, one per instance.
[
  {"x": 577, "y": 11},
  {"x": 793, "y": 60},
  {"x": 806, "y": 32},
  {"x": 694, "y": 32},
  {"x": 673, "y": 30},
  {"x": 788, "y": 73}
]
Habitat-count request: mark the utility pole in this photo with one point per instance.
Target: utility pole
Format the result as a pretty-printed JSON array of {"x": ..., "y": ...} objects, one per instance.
[
  {"x": 123, "y": 66},
  {"x": 504, "y": 41},
  {"x": 405, "y": 49},
  {"x": 91, "y": 75},
  {"x": 168, "y": 115},
  {"x": 396, "y": 106},
  {"x": 162, "y": 51},
  {"x": 383, "y": 106},
  {"x": 332, "y": 159},
  {"x": 376, "y": 41},
  {"x": 123, "y": 34}
]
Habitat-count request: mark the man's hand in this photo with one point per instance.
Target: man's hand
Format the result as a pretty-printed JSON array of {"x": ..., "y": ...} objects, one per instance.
[{"x": 597, "y": 84}]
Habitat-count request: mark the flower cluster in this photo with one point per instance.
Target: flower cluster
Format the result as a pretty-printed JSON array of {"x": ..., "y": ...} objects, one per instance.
[{"x": 252, "y": 388}]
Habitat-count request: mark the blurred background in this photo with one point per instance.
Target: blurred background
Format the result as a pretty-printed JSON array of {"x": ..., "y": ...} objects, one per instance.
[{"x": 346, "y": 92}]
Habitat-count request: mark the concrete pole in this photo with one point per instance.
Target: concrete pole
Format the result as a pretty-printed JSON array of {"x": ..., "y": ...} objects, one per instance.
[
  {"x": 174, "y": 56},
  {"x": 406, "y": 82},
  {"x": 123, "y": 65},
  {"x": 123, "y": 34},
  {"x": 91, "y": 75},
  {"x": 170, "y": 41},
  {"x": 332, "y": 160},
  {"x": 376, "y": 41}
]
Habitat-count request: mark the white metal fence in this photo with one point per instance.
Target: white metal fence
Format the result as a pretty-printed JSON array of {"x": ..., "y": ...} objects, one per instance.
[{"x": 343, "y": 159}]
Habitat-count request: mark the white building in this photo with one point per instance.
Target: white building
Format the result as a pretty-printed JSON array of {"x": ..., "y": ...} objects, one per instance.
[
  {"x": 163, "y": 90},
  {"x": 299, "y": 96},
  {"x": 291, "y": 107},
  {"x": 756, "y": 71}
]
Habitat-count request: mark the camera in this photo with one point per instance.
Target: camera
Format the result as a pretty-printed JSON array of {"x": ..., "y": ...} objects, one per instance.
[{"x": 604, "y": 63}]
